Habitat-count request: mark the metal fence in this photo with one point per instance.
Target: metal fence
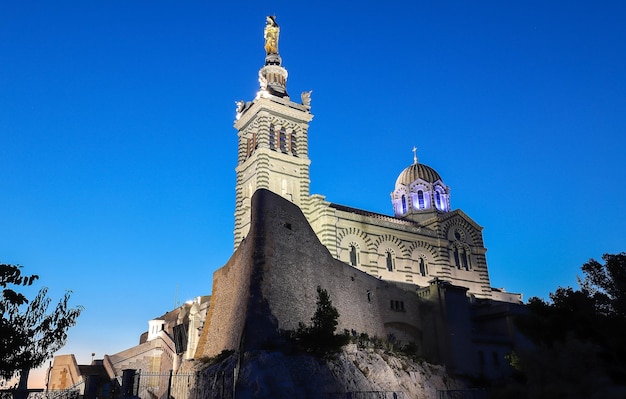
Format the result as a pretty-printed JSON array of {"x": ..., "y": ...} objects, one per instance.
[
  {"x": 40, "y": 394},
  {"x": 190, "y": 386},
  {"x": 165, "y": 385},
  {"x": 28, "y": 394},
  {"x": 367, "y": 395},
  {"x": 147, "y": 385},
  {"x": 462, "y": 394},
  {"x": 73, "y": 392}
]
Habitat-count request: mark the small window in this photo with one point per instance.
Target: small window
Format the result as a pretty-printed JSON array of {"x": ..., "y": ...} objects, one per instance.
[
  {"x": 283, "y": 141},
  {"x": 389, "y": 261},
  {"x": 423, "y": 270},
  {"x": 293, "y": 144},
  {"x": 403, "y": 204},
  {"x": 464, "y": 260},
  {"x": 272, "y": 137},
  {"x": 398, "y": 306},
  {"x": 420, "y": 199},
  {"x": 456, "y": 258},
  {"x": 353, "y": 256}
]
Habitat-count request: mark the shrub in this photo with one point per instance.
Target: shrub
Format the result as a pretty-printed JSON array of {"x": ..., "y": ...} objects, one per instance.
[{"x": 320, "y": 337}]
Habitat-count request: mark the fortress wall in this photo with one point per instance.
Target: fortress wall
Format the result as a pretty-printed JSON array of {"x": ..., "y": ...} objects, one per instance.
[
  {"x": 225, "y": 318},
  {"x": 295, "y": 263},
  {"x": 270, "y": 284}
]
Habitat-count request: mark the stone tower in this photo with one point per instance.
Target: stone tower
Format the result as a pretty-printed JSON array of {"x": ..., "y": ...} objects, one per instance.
[{"x": 272, "y": 139}]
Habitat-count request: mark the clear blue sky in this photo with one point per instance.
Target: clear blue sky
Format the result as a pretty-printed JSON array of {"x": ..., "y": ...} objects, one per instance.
[{"x": 118, "y": 152}]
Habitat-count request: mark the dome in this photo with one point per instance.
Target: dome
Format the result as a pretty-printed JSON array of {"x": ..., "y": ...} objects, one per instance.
[{"x": 417, "y": 171}]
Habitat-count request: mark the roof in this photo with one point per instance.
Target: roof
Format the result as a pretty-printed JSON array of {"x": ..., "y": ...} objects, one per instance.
[
  {"x": 417, "y": 171},
  {"x": 404, "y": 222},
  {"x": 93, "y": 369},
  {"x": 374, "y": 215}
]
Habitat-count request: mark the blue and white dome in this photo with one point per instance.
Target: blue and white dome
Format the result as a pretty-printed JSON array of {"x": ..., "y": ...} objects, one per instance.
[{"x": 419, "y": 190}]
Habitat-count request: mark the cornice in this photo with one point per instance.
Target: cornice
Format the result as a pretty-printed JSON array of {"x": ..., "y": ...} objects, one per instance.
[{"x": 276, "y": 105}]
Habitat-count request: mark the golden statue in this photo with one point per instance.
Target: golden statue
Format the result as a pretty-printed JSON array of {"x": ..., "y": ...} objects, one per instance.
[{"x": 271, "y": 32}]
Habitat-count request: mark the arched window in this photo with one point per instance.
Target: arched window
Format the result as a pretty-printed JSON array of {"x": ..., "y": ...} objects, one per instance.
[
  {"x": 403, "y": 203},
  {"x": 354, "y": 259},
  {"x": 456, "y": 258},
  {"x": 283, "y": 140},
  {"x": 389, "y": 261},
  {"x": 440, "y": 199},
  {"x": 423, "y": 269},
  {"x": 464, "y": 260},
  {"x": 294, "y": 149},
  {"x": 272, "y": 137},
  {"x": 420, "y": 199}
]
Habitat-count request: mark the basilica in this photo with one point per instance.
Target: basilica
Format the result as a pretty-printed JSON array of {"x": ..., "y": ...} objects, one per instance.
[
  {"x": 424, "y": 239},
  {"x": 418, "y": 275}
]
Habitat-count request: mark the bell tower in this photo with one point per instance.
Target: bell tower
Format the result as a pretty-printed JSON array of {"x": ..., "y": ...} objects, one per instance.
[{"x": 272, "y": 135}]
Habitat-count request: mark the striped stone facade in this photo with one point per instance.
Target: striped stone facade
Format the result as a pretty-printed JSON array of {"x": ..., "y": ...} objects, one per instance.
[{"x": 424, "y": 239}]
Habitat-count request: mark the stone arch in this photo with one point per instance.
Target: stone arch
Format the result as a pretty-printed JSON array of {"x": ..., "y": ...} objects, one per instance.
[
  {"x": 425, "y": 201},
  {"x": 420, "y": 249},
  {"x": 441, "y": 196},
  {"x": 293, "y": 136},
  {"x": 461, "y": 255},
  {"x": 424, "y": 247},
  {"x": 394, "y": 243},
  {"x": 358, "y": 234},
  {"x": 354, "y": 236},
  {"x": 471, "y": 235},
  {"x": 401, "y": 201},
  {"x": 391, "y": 253}
]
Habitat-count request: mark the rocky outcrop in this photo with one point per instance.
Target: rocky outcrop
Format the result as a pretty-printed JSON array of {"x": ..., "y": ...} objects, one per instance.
[{"x": 273, "y": 374}]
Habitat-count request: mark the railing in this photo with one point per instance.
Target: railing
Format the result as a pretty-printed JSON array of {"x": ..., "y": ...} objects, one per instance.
[
  {"x": 165, "y": 385},
  {"x": 27, "y": 394},
  {"x": 185, "y": 386},
  {"x": 367, "y": 395},
  {"x": 462, "y": 394},
  {"x": 71, "y": 393}
]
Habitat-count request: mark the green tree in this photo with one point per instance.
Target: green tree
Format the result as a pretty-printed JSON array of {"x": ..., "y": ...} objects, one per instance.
[
  {"x": 34, "y": 334},
  {"x": 577, "y": 336},
  {"x": 326, "y": 316},
  {"x": 12, "y": 340},
  {"x": 320, "y": 336},
  {"x": 606, "y": 284}
]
